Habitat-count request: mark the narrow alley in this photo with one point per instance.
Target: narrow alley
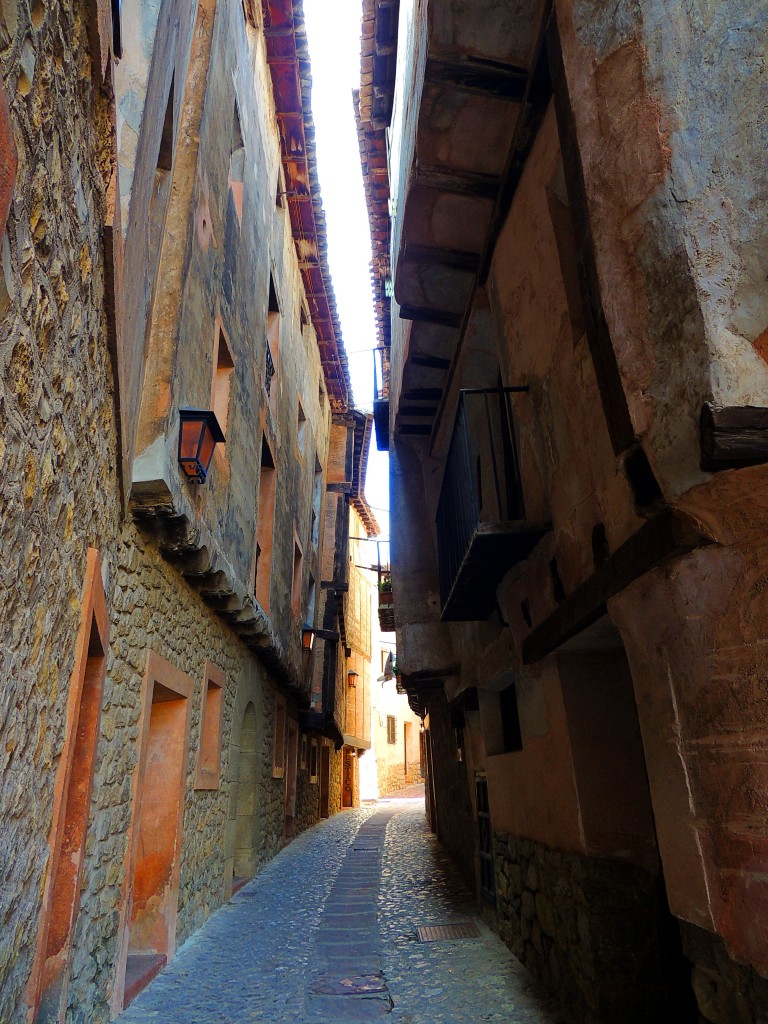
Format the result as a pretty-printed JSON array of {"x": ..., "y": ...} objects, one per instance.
[{"x": 343, "y": 945}]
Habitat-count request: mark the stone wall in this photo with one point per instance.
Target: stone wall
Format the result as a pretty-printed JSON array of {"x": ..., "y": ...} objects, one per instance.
[
  {"x": 153, "y": 608},
  {"x": 57, "y": 442},
  {"x": 588, "y": 928},
  {"x": 727, "y": 992}
]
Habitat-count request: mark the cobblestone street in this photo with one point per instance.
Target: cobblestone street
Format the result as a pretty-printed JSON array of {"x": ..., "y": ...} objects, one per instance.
[{"x": 327, "y": 933}]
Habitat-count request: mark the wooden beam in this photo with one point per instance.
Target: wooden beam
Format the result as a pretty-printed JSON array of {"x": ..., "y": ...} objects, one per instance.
[
  {"x": 537, "y": 97},
  {"x": 455, "y": 259},
  {"x": 431, "y": 316},
  {"x": 463, "y": 183},
  {"x": 417, "y": 410},
  {"x": 733, "y": 437},
  {"x": 472, "y": 74},
  {"x": 661, "y": 539},
  {"x": 422, "y": 395},
  {"x": 420, "y": 429},
  {"x": 609, "y": 382},
  {"x": 430, "y": 362}
]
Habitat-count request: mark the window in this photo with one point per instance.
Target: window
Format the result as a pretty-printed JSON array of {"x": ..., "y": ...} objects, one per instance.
[
  {"x": 262, "y": 568},
  {"x": 224, "y": 368},
  {"x": 161, "y": 187},
  {"x": 301, "y": 429},
  {"x": 391, "y": 729},
  {"x": 278, "y": 749},
  {"x": 304, "y": 751},
  {"x": 273, "y": 344},
  {"x": 208, "y": 775},
  {"x": 298, "y": 563},
  {"x": 237, "y": 165}
]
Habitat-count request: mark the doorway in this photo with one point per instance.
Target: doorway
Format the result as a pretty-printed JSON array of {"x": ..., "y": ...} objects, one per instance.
[
  {"x": 159, "y": 812},
  {"x": 618, "y": 825},
  {"x": 348, "y": 778},
  {"x": 72, "y": 798},
  {"x": 289, "y": 810},
  {"x": 325, "y": 780},
  {"x": 244, "y": 862}
]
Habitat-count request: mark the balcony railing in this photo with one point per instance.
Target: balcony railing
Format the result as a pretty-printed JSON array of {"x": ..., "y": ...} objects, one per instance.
[
  {"x": 381, "y": 370},
  {"x": 386, "y": 605},
  {"x": 482, "y": 530}
]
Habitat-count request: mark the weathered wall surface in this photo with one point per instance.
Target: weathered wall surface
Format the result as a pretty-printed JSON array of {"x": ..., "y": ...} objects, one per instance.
[{"x": 670, "y": 131}]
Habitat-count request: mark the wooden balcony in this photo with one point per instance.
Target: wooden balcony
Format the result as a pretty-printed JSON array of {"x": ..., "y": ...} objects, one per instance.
[{"x": 482, "y": 528}]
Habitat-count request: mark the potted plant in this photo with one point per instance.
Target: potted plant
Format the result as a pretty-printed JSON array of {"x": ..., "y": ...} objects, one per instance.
[{"x": 385, "y": 590}]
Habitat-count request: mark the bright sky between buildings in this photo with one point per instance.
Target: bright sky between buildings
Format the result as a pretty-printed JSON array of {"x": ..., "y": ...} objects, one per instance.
[{"x": 333, "y": 30}]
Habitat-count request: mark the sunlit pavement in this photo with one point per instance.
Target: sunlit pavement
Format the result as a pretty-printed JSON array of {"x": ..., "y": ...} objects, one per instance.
[{"x": 327, "y": 933}]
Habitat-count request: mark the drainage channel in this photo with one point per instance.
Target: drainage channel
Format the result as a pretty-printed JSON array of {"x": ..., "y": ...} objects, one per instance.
[{"x": 348, "y": 984}]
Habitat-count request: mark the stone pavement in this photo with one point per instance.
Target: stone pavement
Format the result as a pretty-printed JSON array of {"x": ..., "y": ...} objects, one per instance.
[{"x": 326, "y": 934}]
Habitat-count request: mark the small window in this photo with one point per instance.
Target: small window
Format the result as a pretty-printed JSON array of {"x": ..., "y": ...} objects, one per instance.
[
  {"x": 301, "y": 429},
  {"x": 237, "y": 165},
  {"x": 222, "y": 380},
  {"x": 278, "y": 750},
  {"x": 298, "y": 563},
  {"x": 313, "y": 759},
  {"x": 262, "y": 568},
  {"x": 273, "y": 344},
  {"x": 304, "y": 749},
  {"x": 208, "y": 774},
  {"x": 391, "y": 729}
]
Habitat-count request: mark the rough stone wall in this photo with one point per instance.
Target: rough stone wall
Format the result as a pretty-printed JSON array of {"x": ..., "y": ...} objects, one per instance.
[
  {"x": 57, "y": 442},
  {"x": 153, "y": 608},
  {"x": 586, "y": 927}
]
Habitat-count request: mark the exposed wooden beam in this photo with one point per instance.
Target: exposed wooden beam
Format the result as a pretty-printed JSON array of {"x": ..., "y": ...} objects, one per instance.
[
  {"x": 417, "y": 410},
  {"x": 464, "y": 183},
  {"x": 430, "y": 362},
  {"x": 422, "y": 395},
  {"x": 733, "y": 437},
  {"x": 414, "y": 428},
  {"x": 455, "y": 259},
  {"x": 661, "y": 539},
  {"x": 430, "y": 316},
  {"x": 472, "y": 74},
  {"x": 609, "y": 382}
]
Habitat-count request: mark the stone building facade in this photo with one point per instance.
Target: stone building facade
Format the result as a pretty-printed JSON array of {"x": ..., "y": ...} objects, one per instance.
[
  {"x": 575, "y": 392},
  {"x": 163, "y": 249}
]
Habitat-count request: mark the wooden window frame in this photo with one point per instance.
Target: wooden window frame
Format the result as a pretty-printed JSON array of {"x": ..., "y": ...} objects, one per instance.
[{"x": 391, "y": 729}]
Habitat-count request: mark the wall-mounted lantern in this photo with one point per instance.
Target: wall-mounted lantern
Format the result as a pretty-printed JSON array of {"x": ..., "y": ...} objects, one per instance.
[
  {"x": 307, "y": 638},
  {"x": 199, "y": 433},
  {"x": 352, "y": 678}
]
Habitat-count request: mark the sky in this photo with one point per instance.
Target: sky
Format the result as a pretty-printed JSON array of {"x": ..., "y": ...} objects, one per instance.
[{"x": 334, "y": 45}]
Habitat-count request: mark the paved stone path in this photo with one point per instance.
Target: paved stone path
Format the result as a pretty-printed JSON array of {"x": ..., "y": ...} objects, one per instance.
[{"x": 326, "y": 934}]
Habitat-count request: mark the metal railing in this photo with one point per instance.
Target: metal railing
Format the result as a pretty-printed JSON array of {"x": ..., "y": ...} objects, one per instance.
[{"x": 481, "y": 482}]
